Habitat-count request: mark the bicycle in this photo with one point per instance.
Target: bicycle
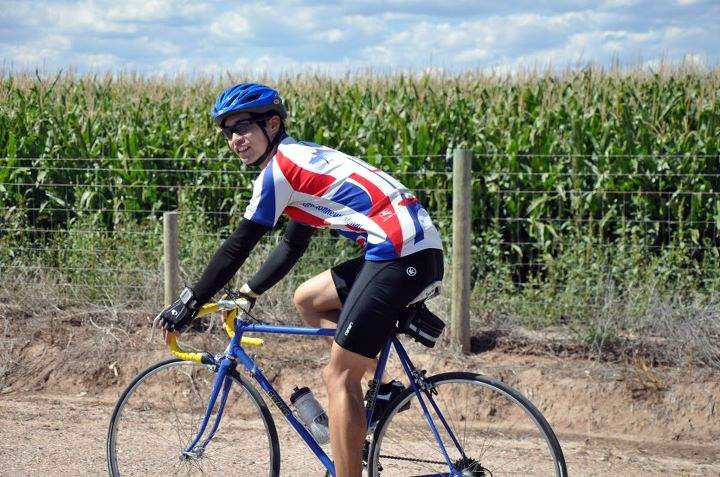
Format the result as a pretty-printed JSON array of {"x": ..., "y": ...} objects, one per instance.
[{"x": 457, "y": 423}]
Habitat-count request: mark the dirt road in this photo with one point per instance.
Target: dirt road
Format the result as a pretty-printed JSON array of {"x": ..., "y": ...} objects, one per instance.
[
  {"x": 52, "y": 435},
  {"x": 611, "y": 419}
]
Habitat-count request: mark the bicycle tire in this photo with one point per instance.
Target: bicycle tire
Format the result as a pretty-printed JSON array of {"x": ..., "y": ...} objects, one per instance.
[
  {"x": 508, "y": 443},
  {"x": 180, "y": 390}
]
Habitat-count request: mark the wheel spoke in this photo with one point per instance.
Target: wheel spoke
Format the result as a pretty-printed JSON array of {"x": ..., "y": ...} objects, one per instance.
[
  {"x": 499, "y": 433},
  {"x": 166, "y": 406}
]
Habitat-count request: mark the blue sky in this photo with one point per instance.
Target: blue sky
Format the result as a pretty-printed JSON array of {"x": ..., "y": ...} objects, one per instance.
[{"x": 170, "y": 37}]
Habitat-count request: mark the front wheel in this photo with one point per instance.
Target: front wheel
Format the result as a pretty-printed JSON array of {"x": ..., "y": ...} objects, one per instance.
[
  {"x": 161, "y": 410},
  {"x": 496, "y": 432}
]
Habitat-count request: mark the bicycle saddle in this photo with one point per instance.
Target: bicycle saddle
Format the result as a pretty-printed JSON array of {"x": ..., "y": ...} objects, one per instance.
[{"x": 430, "y": 291}]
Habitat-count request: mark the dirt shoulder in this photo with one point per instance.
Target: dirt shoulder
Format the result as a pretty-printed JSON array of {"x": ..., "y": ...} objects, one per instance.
[
  {"x": 59, "y": 385},
  {"x": 47, "y": 435}
]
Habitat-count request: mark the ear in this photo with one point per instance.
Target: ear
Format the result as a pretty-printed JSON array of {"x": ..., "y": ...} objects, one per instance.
[{"x": 274, "y": 123}]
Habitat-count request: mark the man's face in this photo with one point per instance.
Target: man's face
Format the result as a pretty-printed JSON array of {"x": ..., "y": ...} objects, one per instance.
[{"x": 247, "y": 140}]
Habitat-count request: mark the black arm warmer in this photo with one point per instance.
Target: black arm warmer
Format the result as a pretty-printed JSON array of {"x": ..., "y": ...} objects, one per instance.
[
  {"x": 228, "y": 258},
  {"x": 281, "y": 260}
]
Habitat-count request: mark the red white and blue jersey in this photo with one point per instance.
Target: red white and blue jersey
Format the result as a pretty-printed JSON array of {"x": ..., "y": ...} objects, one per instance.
[{"x": 322, "y": 187}]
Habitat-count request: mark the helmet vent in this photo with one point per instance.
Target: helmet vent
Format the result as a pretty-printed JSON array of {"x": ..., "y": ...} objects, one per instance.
[{"x": 251, "y": 98}]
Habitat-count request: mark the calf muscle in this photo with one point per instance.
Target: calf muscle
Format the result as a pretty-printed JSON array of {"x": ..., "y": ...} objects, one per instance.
[{"x": 346, "y": 411}]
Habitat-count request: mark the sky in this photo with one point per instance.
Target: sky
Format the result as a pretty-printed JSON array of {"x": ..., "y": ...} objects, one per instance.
[{"x": 184, "y": 37}]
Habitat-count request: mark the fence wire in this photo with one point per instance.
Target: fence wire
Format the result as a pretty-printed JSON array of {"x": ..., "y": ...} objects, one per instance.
[{"x": 95, "y": 225}]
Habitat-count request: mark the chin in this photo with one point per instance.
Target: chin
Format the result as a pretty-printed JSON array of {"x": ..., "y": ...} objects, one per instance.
[{"x": 242, "y": 156}]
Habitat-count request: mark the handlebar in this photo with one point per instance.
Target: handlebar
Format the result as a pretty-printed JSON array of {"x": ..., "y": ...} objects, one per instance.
[{"x": 229, "y": 309}]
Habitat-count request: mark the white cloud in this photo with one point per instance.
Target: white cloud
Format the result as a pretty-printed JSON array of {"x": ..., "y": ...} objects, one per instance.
[
  {"x": 332, "y": 35},
  {"x": 37, "y": 52},
  {"x": 83, "y": 16},
  {"x": 159, "y": 46},
  {"x": 170, "y": 36},
  {"x": 531, "y": 40},
  {"x": 231, "y": 25},
  {"x": 304, "y": 18},
  {"x": 179, "y": 67},
  {"x": 472, "y": 56},
  {"x": 174, "y": 66},
  {"x": 619, "y": 3},
  {"x": 97, "y": 62},
  {"x": 140, "y": 10},
  {"x": 365, "y": 25}
]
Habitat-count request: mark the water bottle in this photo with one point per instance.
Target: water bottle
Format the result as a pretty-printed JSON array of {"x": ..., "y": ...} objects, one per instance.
[{"x": 311, "y": 414}]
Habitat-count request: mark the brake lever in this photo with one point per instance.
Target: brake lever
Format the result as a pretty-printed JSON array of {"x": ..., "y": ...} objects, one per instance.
[{"x": 231, "y": 294}]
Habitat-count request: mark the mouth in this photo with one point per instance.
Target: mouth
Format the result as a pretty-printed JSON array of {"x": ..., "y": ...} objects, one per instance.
[{"x": 242, "y": 150}]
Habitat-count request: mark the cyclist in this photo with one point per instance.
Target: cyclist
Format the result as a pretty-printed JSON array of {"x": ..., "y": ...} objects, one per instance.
[{"x": 316, "y": 186}]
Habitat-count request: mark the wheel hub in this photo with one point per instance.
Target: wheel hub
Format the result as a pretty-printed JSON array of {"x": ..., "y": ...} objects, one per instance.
[
  {"x": 471, "y": 468},
  {"x": 194, "y": 454}
]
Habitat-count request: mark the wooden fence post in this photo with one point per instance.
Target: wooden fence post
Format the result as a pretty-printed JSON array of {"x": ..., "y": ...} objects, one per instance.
[
  {"x": 170, "y": 256},
  {"x": 461, "y": 248}
]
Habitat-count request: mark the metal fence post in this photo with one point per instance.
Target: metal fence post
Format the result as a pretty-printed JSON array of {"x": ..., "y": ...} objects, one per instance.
[
  {"x": 461, "y": 249},
  {"x": 170, "y": 256}
]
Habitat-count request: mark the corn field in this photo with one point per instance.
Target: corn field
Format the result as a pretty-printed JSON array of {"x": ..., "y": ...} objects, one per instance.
[{"x": 591, "y": 189}]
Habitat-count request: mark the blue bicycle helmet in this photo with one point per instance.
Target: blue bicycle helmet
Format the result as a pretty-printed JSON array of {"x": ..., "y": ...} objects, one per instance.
[{"x": 254, "y": 98}]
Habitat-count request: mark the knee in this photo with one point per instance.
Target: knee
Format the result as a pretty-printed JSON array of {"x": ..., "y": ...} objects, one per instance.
[
  {"x": 335, "y": 377},
  {"x": 339, "y": 378},
  {"x": 303, "y": 298},
  {"x": 329, "y": 374}
]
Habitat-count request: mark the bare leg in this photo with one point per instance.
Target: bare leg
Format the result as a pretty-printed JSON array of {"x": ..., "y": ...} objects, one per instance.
[
  {"x": 318, "y": 304},
  {"x": 346, "y": 411}
]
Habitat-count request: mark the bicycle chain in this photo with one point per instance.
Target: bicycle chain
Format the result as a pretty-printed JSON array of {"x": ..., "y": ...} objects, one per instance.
[{"x": 409, "y": 459}]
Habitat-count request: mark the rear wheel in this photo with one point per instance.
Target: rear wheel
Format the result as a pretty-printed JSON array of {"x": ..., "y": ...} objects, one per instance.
[
  {"x": 158, "y": 414},
  {"x": 498, "y": 432}
]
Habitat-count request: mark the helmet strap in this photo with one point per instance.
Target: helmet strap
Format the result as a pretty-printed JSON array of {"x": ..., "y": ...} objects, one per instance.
[{"x": 271, "y": 144}]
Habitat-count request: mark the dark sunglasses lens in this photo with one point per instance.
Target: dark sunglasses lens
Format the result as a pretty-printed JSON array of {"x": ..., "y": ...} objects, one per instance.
[
  {"x": 227, "y": 132},
  {"x": 239, "y": 128}
]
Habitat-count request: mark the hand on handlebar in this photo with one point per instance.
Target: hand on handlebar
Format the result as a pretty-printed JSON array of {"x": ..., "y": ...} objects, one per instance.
[
  {"x": 243, "y": 303},
  {"x": 178, "y": 316},
  {"x": 244, "y": 299}
]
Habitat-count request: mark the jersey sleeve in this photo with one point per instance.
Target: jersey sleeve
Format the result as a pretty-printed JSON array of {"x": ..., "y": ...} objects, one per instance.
[
  {"x": 228, "y": 259},
  {"x": 271, "y": 194},
  {"x": 283, "y": 258}
]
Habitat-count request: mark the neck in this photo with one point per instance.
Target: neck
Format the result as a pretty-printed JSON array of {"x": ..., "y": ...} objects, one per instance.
[
  {"x": 280, "y": 135},
  {"x": 267, "y": 160},
  {"x": 272, "y": 146}
]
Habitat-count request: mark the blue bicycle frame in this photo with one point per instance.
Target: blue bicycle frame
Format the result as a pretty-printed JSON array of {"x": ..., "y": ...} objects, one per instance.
[{"x": 235, "y": 352}]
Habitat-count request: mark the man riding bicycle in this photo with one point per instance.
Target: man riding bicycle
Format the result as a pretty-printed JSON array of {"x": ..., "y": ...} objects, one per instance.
[{"x": 316, "y": 186}]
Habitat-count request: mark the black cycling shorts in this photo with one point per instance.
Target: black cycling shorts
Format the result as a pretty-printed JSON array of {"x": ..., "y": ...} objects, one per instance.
[{"x": 373, "y": 295}]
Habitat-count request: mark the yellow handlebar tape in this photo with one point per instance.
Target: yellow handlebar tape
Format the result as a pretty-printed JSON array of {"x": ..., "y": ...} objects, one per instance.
[
  {"x": 171, "y": 341},
  {"x": 228, "y": 325},
  {"x": 208, "y": 309},
  {"x": 247, "y": 340}
]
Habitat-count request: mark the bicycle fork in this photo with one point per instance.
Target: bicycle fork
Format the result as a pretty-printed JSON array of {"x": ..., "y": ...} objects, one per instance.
[{"x": 221, "y": 387}]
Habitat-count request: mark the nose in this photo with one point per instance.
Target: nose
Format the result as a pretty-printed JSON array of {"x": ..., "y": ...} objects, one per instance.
[{"x": 238, "y": 140}]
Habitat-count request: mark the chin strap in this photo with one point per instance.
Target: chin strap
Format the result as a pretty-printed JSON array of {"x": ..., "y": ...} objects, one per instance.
[{"x": 271, "y": 144}]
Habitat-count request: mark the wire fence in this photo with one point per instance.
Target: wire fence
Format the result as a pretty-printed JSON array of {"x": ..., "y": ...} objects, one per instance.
[{"x": 92, "y": 228}]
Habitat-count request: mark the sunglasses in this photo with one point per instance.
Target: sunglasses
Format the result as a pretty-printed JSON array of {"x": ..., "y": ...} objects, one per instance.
[{"x": 239, "y": 128}]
